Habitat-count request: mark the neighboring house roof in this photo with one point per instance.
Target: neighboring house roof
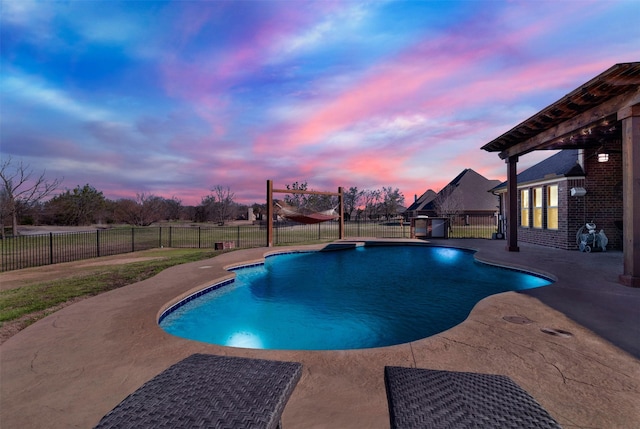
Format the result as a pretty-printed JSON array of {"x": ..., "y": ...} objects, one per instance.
[
  {"x": 470, "y": 191},
  {"x": 424, "y": 199},
  {"x": 562, "y": 164}
]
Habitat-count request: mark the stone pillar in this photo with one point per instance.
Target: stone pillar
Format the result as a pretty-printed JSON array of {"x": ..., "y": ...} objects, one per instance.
[
  {"x": 630, "y": 117},
  {"x": 512, "y": 205}
]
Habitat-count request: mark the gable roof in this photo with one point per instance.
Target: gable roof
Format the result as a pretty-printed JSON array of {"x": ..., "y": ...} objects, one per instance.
[
  {"x": 424, "y": 199},
  {"x": 471, "y": 191},
  {"x": 562, "y": 164}
]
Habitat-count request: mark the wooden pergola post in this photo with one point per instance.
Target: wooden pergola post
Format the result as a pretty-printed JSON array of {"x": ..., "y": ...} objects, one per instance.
[
  {"x": 269, "y": 213},
  {"x": 512, "y": 204},
  {"x": 341, "y": 213},
  {"x": 630, "y": 118},
  {"x": 270, "y": 191}
]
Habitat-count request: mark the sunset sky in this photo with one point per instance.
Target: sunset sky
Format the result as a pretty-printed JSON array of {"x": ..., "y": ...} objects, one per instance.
[{"x": 175, "y": 98}]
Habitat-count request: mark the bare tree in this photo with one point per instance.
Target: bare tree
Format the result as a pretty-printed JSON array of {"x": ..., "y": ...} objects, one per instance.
[
  {"x": 224, "y": 198},
  {"x": 21, "y": 189},
  {"x": 173, "y": 208},
  {"x": 297, "y": 200},
  {"x": 449, "y": 203},
  {"x": 352, "y": 200},
  {"x": 143, "y": 211},
  {"x": 371, "y": 201},
  {"x": 218, "y": 205}
]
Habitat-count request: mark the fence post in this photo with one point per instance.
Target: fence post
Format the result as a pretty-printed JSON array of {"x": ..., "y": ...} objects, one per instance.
[
  {"x": 199, "y": 237},
  {"x": 98, "y": 242},
  {"x": 160, "y": 236},
  {"x": 51, "y": 248},
  {"x": 133, "y": 241},
  {"x": 238, "y": 236},
  {"x": 170, "y": 236}
]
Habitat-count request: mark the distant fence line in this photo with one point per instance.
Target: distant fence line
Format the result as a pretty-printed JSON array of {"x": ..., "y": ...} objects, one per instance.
[{"x": 27, "y": 251}]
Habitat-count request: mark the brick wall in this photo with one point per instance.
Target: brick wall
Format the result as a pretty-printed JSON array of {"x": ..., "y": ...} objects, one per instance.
[
  {"x": 603, "y": 200},
  {"x": 602, "y": 205},
  {"x": 565, "y": 236},
  {"x": 575, "y": 209}
]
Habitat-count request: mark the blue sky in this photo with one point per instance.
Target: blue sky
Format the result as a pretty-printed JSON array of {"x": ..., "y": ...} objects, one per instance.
[{"x": 175, "y": 98}]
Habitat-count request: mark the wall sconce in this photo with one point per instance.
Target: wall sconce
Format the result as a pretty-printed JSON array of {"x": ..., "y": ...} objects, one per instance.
[
  {"x": 603, "y": 157},
  {"x": 578, "y": 192}
]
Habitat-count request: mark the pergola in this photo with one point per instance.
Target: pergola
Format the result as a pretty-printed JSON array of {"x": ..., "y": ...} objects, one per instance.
[{"x": 602, "y": 113}]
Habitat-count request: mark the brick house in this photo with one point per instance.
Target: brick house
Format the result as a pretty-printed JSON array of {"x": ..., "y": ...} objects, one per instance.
[
  {"x": 600, "y": 117},
  {"x": 560, "y": 194},
  {"x": 464, "y": 197},
  {"x": 422, "y": 206}
]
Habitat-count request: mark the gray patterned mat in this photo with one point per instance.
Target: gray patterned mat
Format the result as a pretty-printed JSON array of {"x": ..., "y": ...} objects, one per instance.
[
  {"x": 207, "y": 391},
  {"x": 423, "y": 398}
]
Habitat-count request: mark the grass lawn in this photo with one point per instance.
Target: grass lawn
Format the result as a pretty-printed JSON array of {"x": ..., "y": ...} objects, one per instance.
[{"x": 29, "y": 295}]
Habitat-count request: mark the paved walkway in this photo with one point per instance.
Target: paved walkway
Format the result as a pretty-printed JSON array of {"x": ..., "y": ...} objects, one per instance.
[{"x": 71, "y": 368}]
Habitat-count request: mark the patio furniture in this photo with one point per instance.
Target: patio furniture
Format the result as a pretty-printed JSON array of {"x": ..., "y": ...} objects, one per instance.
[
  {"x": 210, "y": 391},
  {"x": 424, "y": 398}
]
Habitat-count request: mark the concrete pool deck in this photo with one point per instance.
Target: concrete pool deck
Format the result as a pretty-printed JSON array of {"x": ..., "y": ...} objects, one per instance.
[{"x": 72, "y": 367}]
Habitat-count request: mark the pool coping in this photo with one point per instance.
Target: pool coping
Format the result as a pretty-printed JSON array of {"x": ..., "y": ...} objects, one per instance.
[{"x": 72, "y": 367}]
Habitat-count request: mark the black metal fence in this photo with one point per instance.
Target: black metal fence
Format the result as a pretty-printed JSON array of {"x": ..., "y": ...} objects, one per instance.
[
  {"x": 473, "y": 226},
  {"x": 44, "y": 249}
]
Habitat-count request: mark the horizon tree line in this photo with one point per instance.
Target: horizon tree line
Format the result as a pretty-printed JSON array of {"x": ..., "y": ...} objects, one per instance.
[{"x": 26, "y": 199}]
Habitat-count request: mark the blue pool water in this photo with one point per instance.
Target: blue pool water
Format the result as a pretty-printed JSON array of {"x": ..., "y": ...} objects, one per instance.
[{"x": 348, "y": 299}]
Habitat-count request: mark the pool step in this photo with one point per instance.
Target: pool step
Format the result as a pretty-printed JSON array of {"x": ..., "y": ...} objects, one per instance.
[{"x": 343, "y": 245}]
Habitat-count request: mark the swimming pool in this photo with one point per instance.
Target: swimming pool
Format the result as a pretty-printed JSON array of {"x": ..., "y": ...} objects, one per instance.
[{"x": 349, "y": 299}]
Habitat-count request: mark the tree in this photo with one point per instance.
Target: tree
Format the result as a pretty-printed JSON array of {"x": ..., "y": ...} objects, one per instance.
[
  {"x": 218, "y": 205},
  {"x": 225, "y": 201},
  {"x": 145, "y": 210},
  {"x": 296, "y": 200},
  {"x": 352, "y": 200},
  {"x": 309, "y": 202},
  {"x": 19, "y": 189},
  {"x": 173, "y": 208},
  {"x": 371, "y": 200},
  {"x": 82, "y": 206},
  {"x": 259, "y": 210},
  {"x": 392, "y": 201},
  {"x": 448, "y": 203}
]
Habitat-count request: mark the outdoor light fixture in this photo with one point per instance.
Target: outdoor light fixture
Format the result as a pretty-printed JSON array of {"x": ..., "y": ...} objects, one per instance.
[
  {"x": 578, "y": 192},
  {"x": 603, "y": 157}
]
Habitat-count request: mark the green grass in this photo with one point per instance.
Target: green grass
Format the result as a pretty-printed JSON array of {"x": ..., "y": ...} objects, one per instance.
[{"x": 47, "y": 295}]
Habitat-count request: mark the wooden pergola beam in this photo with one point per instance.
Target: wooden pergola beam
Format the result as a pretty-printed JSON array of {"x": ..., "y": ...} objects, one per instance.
[{"x": 598, "y": 115}]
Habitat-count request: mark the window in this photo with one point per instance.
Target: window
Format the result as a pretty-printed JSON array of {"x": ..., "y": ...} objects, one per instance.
[
  {"x": 524, "y": 207},
  {"x": 552, "y": 207},
  {"x": 537, "y": 207}
]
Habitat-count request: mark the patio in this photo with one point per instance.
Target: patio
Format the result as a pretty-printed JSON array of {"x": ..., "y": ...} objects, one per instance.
[{"x": 578, "y": 356}]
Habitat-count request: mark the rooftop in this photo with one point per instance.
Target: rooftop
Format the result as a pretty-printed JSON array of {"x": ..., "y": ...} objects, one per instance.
[{"x": 561, "y": 164}]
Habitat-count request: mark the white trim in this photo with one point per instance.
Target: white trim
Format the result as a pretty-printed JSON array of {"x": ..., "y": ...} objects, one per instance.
[{"x": 542, "y": 182}]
